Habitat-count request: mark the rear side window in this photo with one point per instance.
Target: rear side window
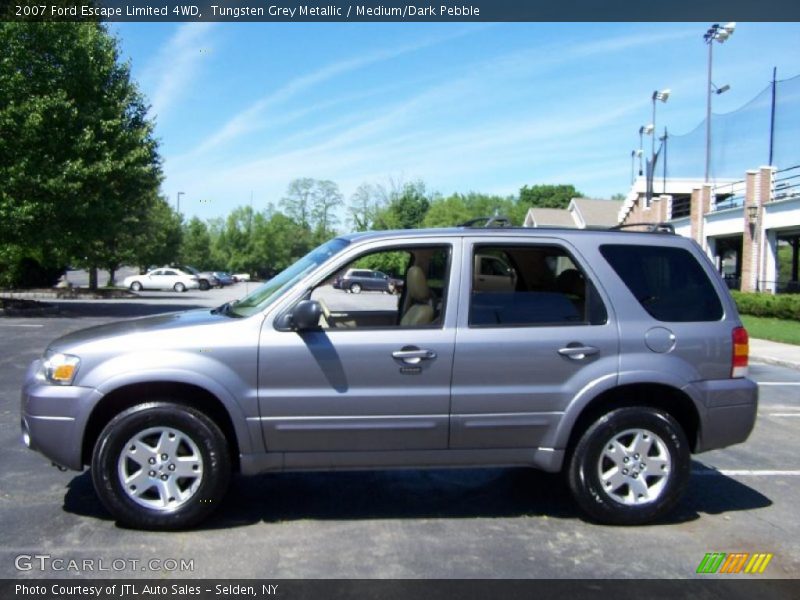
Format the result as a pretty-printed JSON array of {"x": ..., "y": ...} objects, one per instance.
[
  {"x": 531, "y": 286},
  {"x": 668, "y": 282}
]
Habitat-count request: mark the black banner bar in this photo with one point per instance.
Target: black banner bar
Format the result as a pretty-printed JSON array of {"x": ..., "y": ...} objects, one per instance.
[
  {"x": 730, "y": 588},
  {"x": 400, "y": 10}
]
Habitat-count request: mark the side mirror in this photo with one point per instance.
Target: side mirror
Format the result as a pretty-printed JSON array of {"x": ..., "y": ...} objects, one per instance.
[{"x": 306, "y": 315}]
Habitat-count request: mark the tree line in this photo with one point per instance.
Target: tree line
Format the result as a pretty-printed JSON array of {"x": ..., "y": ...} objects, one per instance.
[
  {"x": 264, "y": 242},
  {"x": 80, "y": 174}
]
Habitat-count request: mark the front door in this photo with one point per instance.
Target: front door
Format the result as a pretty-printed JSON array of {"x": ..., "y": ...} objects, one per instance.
[{"x": 363, "y": 381}]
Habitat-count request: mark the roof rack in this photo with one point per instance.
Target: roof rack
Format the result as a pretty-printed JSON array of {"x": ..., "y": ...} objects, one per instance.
[
  {"x": 648, "y": 227},
  {"x": 495, "y": 221}
]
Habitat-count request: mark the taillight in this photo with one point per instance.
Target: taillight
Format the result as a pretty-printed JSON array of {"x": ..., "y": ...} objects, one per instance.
[{"x": 741, "y": 350}]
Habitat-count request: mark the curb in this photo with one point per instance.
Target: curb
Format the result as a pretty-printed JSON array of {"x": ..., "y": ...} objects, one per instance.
[{"x": 780, "y": 362}]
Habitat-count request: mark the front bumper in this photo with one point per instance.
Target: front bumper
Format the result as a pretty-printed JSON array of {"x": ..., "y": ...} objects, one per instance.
[
  {"x": 730, "y": 412},
  {"x": 53, "y": 418}
]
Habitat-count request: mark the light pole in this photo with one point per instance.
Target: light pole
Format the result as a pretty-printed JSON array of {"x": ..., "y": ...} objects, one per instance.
[
  {"x": 643, "y": 130},
  {"x": 717, "y": 34},
  {"x": 179, "y": 201},
  {"x": 663, "y": 96}
]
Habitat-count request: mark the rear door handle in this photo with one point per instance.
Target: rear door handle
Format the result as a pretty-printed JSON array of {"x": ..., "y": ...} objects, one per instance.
[
  {"x": 578, "y": 352},
  {"x": 412, "y": 356}
]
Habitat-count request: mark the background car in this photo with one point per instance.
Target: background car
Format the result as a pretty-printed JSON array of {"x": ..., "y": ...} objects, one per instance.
[
  {"x": 165, "y": 278},
  {"x": 205, "y": 279},
  {"x": 224, "y": 278},
  {"x": 356, "y": 280}
]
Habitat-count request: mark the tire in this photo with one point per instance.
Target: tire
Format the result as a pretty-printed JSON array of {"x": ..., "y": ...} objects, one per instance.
[
  {"x": 179, "y": 287},
  {"x": 624, "y": 440},
  {"x": 355, "y": 288},
  {"x": 150, "y": 429},
  {"x": 204, "y": 285},
  {"x": 136, "y": 286}
]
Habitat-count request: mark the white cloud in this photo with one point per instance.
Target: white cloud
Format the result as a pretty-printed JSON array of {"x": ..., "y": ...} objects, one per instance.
[{"x": 176, "y": 65}]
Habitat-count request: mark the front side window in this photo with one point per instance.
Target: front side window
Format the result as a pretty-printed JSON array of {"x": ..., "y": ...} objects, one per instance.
[
  {"x": 668, "y": 282},
  {"x": 389, "y": 288},
  {"x": 531, "y": 285}
]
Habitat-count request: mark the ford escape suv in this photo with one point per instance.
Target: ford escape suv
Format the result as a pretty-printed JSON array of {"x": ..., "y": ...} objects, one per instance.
[{"x": 609, "y": 355}]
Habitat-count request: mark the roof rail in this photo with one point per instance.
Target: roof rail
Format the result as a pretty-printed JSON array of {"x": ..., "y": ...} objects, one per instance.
[
  {"x": 495, "y": 221},
  {"x": 648, "y": 227}
]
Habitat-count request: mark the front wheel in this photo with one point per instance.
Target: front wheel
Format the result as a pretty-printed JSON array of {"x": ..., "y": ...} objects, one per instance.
[
  {"x": 179, "y": 287},
  {"x": 630, "y": 467},
  {"x": 204, "y": 285},
  {"x": 161, "y": 466},
  {"x": 355, "y": 288}
]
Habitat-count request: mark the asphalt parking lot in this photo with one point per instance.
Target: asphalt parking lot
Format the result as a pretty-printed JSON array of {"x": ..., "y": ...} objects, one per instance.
[{"x": 497, "y": 523}]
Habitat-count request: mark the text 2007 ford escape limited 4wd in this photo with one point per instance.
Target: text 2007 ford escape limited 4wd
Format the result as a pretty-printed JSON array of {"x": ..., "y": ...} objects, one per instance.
[{"x": 609, "y": 355}]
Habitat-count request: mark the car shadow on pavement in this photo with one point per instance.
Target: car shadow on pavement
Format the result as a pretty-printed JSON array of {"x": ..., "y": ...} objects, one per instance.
[{"x": 425, "y": 494}]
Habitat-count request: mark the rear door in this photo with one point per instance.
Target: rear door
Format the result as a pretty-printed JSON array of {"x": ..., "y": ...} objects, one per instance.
[{"x": 522, "y": 355}]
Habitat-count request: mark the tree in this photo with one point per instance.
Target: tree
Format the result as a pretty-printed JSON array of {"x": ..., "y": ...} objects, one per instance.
[
  {"x": 297, "y": 203},
  {"x": 196, "y": 246},
  {"x": 547, "y": 196},
  {"x": 326, "y": 198},
  {"x": 406, "y": 209},
  {"x": 78, "y": 159},
  {"x": 365, "y": 203}
]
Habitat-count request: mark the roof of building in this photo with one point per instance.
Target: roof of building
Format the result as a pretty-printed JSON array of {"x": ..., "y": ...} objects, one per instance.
[
  {"x": 594, "y": 212},
  {"x": 541, "y": 217}
]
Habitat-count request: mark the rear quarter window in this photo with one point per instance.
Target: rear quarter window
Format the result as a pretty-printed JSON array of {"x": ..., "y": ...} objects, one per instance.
[{"x": 668, "y": 282}]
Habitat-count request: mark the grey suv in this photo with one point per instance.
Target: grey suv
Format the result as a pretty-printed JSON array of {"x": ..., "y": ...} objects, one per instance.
[{"x": 612, "y": 357}]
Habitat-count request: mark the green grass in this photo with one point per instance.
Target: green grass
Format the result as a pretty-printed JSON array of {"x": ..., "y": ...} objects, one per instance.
[{"x": 777, "y": 330}]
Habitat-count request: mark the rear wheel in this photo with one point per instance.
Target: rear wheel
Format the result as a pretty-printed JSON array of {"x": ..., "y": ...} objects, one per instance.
[
  {"x": 630, "y": 467},
  {"x": 136, "y": 286},
  {"x": 179, "y": 287},
  {"x": 204, "y": 285},
  {"x": 161, "y": 466}
]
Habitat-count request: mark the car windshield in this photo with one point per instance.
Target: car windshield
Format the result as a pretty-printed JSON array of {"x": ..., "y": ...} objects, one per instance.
[{"x": 267, "y": 293}]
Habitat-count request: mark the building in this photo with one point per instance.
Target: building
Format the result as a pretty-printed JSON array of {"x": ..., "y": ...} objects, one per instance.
[
  {"x": 750, "y": 228},
  {"x": 581, "y": 213}
]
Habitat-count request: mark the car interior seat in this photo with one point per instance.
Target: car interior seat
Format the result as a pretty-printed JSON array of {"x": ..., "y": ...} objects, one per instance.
[{"x": 420, "y": 301}]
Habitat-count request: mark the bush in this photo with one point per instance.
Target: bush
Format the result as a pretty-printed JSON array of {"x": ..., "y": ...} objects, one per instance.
[{"x": 782, "y": 306}]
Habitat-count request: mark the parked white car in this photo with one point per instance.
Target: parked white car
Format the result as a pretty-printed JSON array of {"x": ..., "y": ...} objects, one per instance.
[
  {"x": 241, "y": 276},
  {"x": 166, "y": 278}
]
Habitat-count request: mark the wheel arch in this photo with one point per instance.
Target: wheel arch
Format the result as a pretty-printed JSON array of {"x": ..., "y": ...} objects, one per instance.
[
  {"x": 127, "y": 396},
  {"x": 667, "y": 398}
]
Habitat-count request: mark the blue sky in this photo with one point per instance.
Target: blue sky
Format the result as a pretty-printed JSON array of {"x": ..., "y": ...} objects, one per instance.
[{"x": 244, "y": 108}]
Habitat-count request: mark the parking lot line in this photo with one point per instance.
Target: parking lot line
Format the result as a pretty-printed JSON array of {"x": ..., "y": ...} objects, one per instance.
[
  {"x": 748, "y": 472},
  {"x": 22, "y": 324},
  {"x": 797, "y": 414},
  {"x": 789, "y": 383}
]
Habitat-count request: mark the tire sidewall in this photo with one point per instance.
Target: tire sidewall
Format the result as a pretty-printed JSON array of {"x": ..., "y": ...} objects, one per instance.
[
  {"x": 205, "y": 434},
  {"x": 585, "y": 481}
]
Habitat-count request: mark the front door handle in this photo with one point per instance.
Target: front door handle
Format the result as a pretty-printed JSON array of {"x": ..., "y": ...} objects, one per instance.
[
  {"x": 412, "y": 356},
  {"x": 578, "y": 352}
]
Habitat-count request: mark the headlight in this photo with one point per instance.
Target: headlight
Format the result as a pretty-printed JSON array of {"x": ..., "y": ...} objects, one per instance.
[{"x": 60, "y": 368}]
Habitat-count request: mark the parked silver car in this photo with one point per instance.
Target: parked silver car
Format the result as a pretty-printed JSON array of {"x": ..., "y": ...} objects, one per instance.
[
  {"x": 164, "y": 278},
  {"x": 609, "y": 355}
]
